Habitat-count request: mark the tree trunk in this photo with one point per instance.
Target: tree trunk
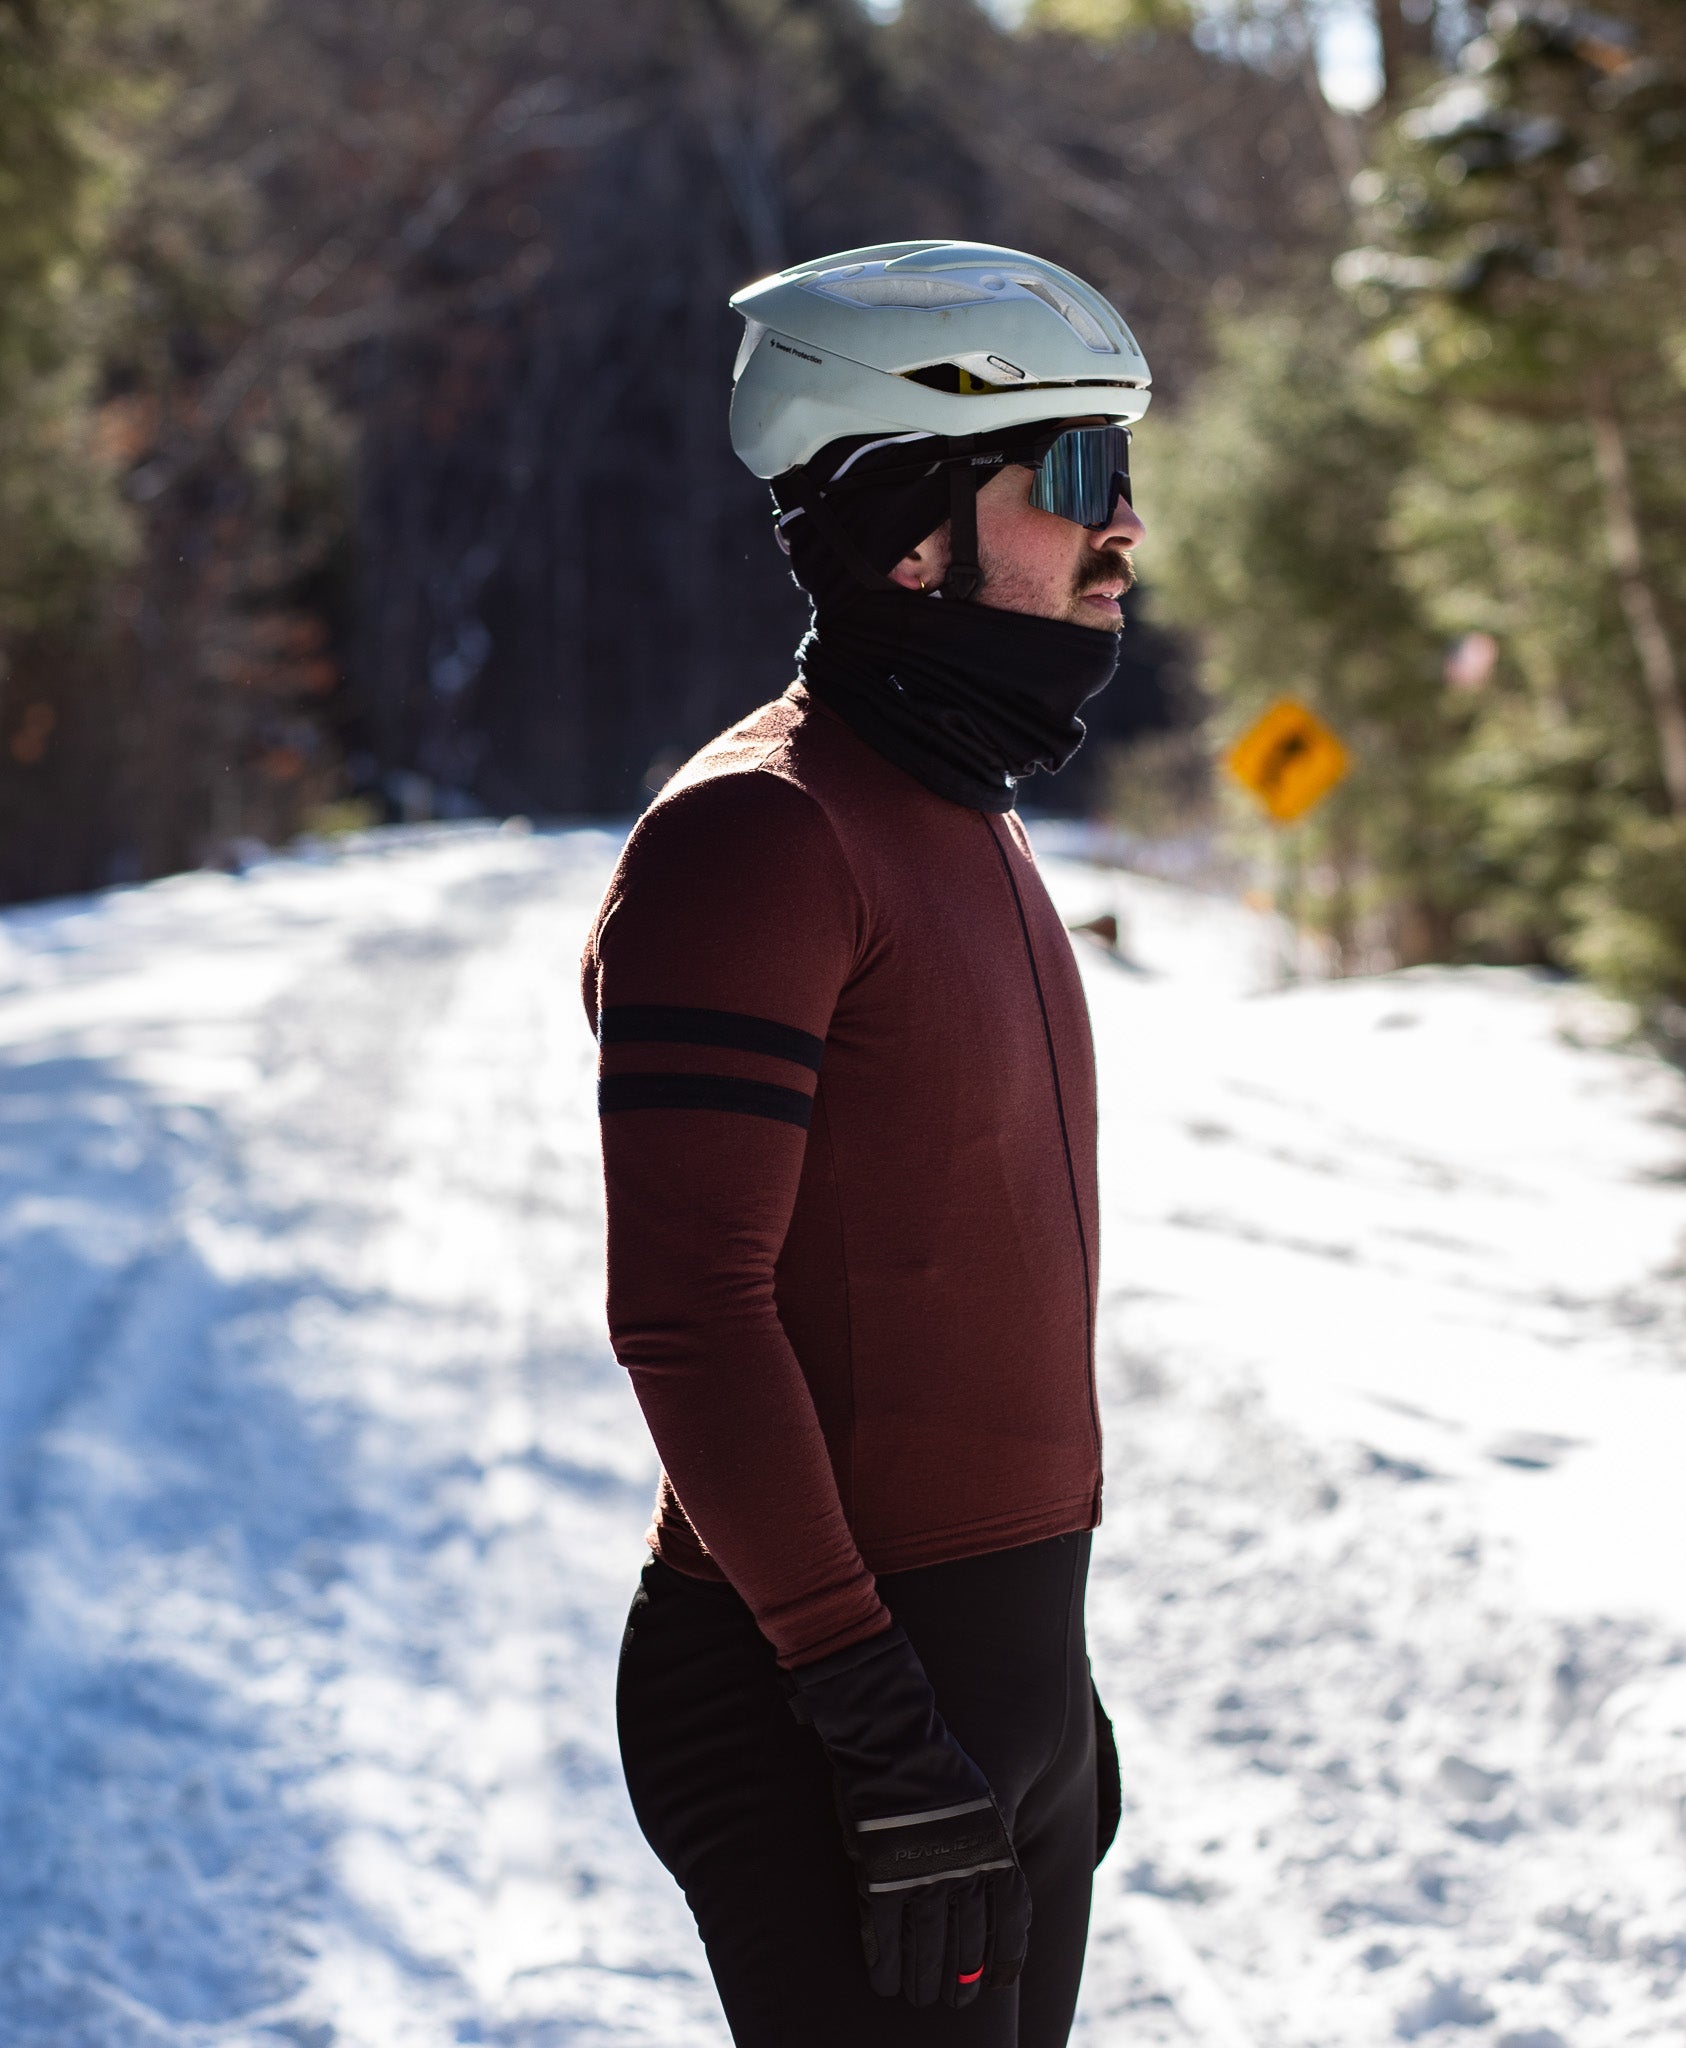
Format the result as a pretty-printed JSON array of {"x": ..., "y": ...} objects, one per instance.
[
  {"x": 1657, "y": 661},
  {"x": 1340, "y": 137},
  {"x": 1407, "y": 38}
]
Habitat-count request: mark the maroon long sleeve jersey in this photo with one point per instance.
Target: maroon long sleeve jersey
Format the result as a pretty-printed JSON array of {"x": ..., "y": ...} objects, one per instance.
[{"x": 848, "y": 1116}]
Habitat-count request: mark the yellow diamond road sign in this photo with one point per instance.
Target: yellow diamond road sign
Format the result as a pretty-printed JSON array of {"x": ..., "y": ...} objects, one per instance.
[{"x": 1290, "y": 760}]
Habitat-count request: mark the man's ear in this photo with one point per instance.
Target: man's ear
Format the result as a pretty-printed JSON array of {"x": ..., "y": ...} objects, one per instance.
[{"x": 924, "y": 567}]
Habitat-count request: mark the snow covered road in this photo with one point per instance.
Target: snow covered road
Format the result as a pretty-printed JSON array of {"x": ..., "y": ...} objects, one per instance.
[{"x": 320, "y": 1494}]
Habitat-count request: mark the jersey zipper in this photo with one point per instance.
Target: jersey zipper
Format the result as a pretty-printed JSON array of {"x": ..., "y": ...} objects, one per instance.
[{"x": 1065, "y": 1136}]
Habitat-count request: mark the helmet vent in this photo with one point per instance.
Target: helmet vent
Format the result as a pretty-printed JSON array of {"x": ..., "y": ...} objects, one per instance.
[
  {"x": 890, "y": 290},
  {"x": 954, "y": 377},
  {"x": 1083, "y": 324},
  {"x": 878, "y": 284}
]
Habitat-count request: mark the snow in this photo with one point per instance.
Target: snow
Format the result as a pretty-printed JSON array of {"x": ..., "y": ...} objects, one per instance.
[
  {"x": 1387, "y": 1598},
  {"x": 321, "y": 1495}
]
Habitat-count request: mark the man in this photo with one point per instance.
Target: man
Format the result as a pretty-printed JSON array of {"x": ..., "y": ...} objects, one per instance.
[{"x": 849, "y": 1145}]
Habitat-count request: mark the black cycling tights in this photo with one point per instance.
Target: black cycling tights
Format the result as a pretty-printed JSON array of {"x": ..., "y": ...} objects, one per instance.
[{"x": 735, "y": 1797}]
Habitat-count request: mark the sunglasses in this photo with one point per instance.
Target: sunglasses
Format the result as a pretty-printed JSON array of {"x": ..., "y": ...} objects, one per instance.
[
  {"x": 1079, "y": 474},
  {"x": 1083, "y": 475}
]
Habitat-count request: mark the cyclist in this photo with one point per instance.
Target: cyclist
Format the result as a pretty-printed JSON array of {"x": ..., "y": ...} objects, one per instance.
[{"x": 848, "y": 1128}]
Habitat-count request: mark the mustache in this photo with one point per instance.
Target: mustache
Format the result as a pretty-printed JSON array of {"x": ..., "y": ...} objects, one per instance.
[{"x": 1114, "y": 566}]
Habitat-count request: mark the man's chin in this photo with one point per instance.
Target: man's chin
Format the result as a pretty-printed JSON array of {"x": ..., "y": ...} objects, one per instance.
[{"x": 1107, "y": 617}]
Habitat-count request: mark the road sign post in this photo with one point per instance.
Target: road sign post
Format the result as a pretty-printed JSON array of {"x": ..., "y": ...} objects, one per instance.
[{"x": 1288, "y": 760}]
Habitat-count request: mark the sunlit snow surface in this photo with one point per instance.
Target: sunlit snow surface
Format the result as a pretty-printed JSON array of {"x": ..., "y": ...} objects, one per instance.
[{"x": 321, "y": 1495}]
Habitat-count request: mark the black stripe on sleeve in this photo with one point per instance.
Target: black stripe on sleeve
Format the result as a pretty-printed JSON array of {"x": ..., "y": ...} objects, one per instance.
[
  {"x": 674, "y": 1024},
  {"x": 704, "y": 1091}
]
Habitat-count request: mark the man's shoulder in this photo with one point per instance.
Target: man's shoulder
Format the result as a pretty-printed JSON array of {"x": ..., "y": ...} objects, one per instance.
[
  {"x": 751, "y": 792},
  {"x": 734, "y": 851},
  {"x": 760, "y": 744},
  {"x": 787, "y": 758}
]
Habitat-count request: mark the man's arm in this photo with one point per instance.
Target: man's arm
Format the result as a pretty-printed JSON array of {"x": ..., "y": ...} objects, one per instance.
[
  {"x": 728, "y": 932},
  {"x": 730, "y": 928}
]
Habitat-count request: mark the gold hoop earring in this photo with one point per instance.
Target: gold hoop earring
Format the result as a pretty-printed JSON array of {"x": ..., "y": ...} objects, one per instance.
[{"x": 921, "y": 583}]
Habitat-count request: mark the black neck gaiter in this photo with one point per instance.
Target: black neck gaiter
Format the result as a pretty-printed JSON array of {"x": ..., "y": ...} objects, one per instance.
[{"x": 967, "y": 699}]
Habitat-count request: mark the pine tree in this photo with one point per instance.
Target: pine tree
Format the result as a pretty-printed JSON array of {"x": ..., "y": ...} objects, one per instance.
[
  {"x": 1537, "y": 209},
  {"x": 58, "y": 518},
  {"x": 156, "y": 664},
  {"x": 1269, "y": 502},
  {"x": 65, "y": 532},
  {"x": 1525, "y": 278}
]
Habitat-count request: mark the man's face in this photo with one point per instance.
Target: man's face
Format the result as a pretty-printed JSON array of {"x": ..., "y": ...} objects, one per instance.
[{"x": 1034, "y": 561}]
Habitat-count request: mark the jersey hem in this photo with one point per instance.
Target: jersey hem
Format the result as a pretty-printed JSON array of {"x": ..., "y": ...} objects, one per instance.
[
  {"x": 902, "y": 1554},
  {"x": 977, "y": 1539}
]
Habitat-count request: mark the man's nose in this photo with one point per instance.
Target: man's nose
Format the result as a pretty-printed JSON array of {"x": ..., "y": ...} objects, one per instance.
[{"x": 1122, "y": 529}]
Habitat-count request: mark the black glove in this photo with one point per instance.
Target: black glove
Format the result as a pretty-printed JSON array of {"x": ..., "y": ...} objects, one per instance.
[{"x": 945, "y": 1910}]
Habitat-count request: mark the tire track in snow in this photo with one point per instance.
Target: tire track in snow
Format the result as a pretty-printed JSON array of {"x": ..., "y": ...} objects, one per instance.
[{"x": 334, "y": 1516}]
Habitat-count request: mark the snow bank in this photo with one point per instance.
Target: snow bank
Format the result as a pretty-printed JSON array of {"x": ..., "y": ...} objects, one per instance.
[{"x": 1389, "y": 1581}]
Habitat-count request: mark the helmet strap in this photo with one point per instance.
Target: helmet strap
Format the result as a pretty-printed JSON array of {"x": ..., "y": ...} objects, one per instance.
[
  {"x": 964, "y": 575},
  {"x": 813, "y": 503}
]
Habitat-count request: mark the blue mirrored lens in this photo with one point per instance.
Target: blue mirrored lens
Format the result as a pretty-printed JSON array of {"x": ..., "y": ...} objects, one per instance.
[{"x": 1084, "y": 475}]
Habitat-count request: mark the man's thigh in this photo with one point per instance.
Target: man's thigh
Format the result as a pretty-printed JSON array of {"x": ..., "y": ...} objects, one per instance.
[
  {"x": 735, "y": 1797},
  {"x": 1002, "y": 1638}
]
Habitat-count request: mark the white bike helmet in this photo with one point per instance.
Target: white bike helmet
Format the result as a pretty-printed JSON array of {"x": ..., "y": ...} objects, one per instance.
[{"x": 918, "y": 338}]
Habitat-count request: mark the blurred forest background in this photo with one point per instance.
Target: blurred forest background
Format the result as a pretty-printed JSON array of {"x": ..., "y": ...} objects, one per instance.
[{"x": 363, "y": 452}]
